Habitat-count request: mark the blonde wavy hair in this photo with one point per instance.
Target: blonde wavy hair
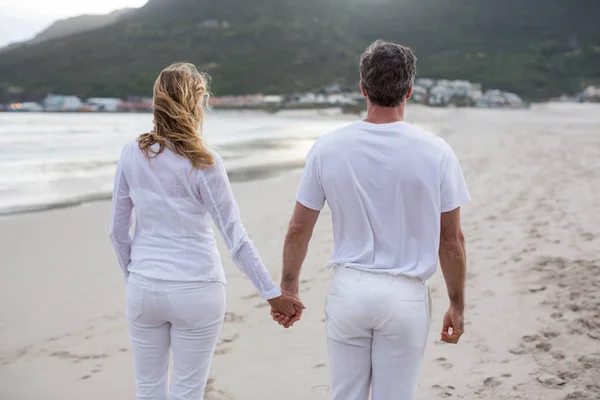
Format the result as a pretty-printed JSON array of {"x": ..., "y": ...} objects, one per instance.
[{"x": 180, "y": 95}]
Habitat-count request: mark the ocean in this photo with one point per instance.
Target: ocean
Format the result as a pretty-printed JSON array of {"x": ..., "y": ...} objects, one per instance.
[{"x": 54, "y": 160}]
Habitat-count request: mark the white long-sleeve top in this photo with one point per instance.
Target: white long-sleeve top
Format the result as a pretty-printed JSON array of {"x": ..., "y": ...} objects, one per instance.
[{"x": 175, "y": 206}]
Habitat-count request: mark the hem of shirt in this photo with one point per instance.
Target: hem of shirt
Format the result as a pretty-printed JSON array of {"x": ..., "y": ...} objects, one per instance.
[
  {"x": 455, "y": 205},
  {"x": 308, "y": 204},
  {"x": 271, "y": 294}
]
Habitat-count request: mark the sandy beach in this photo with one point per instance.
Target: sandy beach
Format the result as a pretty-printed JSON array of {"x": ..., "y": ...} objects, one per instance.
[{"x": 533, "y": 290}]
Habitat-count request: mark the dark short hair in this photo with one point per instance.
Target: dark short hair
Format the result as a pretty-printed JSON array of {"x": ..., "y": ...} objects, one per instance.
[{"x": 387, "y": 72}]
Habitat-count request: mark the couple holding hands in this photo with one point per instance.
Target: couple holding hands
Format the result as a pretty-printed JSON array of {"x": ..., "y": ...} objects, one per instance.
[{"x": 394, "y": 192}]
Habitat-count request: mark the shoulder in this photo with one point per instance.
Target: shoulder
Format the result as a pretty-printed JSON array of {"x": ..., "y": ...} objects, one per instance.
[
  {"x": 217, "y": 169},
  {"x": 128, "y": 149},
  {"x": 332, "y": 139},
  {"x": 429, "y": 141}
]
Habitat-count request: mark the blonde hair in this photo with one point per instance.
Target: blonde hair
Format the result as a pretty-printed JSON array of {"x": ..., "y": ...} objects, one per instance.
[{"x": 180, "y": 93}]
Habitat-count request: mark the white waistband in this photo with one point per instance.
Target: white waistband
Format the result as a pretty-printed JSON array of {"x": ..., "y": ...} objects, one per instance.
[
  {"x": 158, "y": 284},
  {"x": 360, "y": 275}
]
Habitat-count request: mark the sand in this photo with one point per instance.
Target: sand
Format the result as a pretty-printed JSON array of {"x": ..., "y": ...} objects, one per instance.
[{"x": 533, "y": 314}]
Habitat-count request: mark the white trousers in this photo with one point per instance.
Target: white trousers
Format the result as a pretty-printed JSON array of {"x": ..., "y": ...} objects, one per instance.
[
  {"x": 183, "y": 316},
  {"x": 377, "y": 327}
]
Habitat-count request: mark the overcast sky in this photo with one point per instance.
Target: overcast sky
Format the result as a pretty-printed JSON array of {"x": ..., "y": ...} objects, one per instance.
[{"x": 22, "y": 19}]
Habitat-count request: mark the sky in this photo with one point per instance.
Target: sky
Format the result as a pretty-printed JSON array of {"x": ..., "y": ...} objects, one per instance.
[{"x": 22, "y": 19}]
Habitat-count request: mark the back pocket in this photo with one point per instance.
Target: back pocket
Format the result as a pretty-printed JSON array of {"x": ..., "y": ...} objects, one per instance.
[{"x": 134, "y": 301}]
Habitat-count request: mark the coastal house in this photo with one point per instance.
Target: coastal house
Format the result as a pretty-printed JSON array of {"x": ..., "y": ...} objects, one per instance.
[
  {"x": 25, "y": 106},
  {"x": 499, "y": 99},
  {"x": 591, "y": 94},
  {"x": 56, "y": 102},
  {"x": 340, "y": 99},
  {"x": 273, "y": 99},
  {"x": 104, "y": 104}
]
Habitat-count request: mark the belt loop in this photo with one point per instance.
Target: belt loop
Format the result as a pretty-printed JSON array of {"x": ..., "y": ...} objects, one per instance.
[
  {"x": 391, "y": 278},
  {"x": 357, "y": 279}
]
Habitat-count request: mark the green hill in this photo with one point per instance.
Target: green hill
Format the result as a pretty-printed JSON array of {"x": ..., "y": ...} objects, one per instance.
[{"x": 535, "y": 48}]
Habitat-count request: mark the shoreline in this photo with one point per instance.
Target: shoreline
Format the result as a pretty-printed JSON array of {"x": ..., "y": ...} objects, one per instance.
[{"x": 239, "y": 174}]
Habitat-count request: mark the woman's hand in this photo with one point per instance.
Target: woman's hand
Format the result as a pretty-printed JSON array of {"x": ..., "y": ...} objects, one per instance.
[{"x": 285, "y": 319}]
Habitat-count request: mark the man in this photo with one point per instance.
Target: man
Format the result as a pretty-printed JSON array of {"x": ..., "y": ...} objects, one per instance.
[{"x": 395, "y": 194}]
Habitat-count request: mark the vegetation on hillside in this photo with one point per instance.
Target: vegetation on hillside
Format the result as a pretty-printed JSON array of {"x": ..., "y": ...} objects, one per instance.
[
  {"x": 535, "y": 48},
  {"x": 72, "y": 26}
]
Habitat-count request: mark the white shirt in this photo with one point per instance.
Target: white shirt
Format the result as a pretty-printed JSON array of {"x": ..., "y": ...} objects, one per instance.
[
  {"x": 174, "y": 203},
  {"x": 386, "y": 186}
]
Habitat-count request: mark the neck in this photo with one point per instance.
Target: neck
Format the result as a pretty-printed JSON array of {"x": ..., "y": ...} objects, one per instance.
[{"x": 384, "y": 115}]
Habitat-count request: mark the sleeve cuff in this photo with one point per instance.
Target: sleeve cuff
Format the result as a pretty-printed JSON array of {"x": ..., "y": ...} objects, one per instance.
[
  {"x": 309, "y": 204},
  {"x": 455, "y": 205},
  {"x": 271, "y": 294}
]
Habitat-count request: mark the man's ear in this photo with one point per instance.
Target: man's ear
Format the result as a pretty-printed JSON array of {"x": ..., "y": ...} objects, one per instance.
[
  {"x": 363, "y": 91},
  {"x": 410, "y": 92}
]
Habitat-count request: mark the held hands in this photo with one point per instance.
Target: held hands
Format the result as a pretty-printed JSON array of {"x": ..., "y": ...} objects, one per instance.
[
  {"x": 454, "y": 325},
  {"x": 286, "y": 309},
  {"x": 287, "y": 319}
]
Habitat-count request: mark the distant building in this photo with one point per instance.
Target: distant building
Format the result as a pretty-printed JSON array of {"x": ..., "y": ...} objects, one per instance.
[
  {"x": 26, "y": 106},
  {"x": 419, "y": 94},
  {"x": 340, "y": 99},
  {"x": 499, "y": 99},
  {"x": 54, "y": 102},
  {"x": 273, "y": 99},
  {"x": 251, "y": 100},
  {"x": 104, "y": 104},
  {"x": 591, "y": 94}
]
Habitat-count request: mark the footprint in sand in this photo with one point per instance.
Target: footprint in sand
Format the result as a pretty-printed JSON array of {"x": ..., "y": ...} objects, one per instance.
[
  {"x": 519, "y": 350},
  {"x": 544, "y": 346},
  {"x": 590, "y": 361},
  {"x": 444, "y": 363},
  {"x": 230, "y": 339},
  {"x": 492, "y": 382},
  {"x": 550, "y": 334},
  {"x": 222, "y": 351},
  {"x": 530, "y": 338},
  {"x": 536, "y": 289},
  {"x": 320, "y": 389},
  {"x": 233, "y": 317},
  {"x": 578, "y": 396},
  {"x": 444, "y": 392},
  {"x": 568, "y": 376},
  {"x": 550, "y": 381},
  {"x": 482, "y": 348}
]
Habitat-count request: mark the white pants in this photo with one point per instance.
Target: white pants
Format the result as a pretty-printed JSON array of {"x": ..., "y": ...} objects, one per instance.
[
  {"x": 183, "y": 316},
  {"x": 377, "y": 327}
]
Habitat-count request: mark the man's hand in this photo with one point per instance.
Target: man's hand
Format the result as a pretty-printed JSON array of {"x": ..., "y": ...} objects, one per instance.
[
  {"x": 287, "y": 307},
  {"x": 454, "y": 325},
  {"x": 283, "y": 319}
]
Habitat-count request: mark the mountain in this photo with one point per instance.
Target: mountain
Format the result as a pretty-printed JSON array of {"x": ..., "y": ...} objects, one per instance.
[
  {"x": 73, "y": 26},
  {"x": 532, "y": 47}
]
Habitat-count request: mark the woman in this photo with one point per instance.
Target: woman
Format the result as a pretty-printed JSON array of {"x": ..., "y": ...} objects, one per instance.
[{"x": 175, "y": 281}]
